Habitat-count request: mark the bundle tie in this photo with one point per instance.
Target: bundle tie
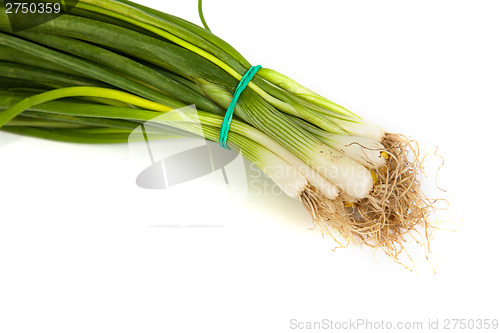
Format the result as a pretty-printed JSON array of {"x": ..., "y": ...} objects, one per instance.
[{"x": 245, "y": 80}]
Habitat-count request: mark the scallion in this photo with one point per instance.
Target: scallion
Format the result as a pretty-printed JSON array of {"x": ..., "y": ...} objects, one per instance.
[{"x": 107, "y": 66}]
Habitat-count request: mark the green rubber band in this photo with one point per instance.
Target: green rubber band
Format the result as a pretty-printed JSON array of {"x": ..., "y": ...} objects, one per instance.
[{"x": 245, "y": 80}]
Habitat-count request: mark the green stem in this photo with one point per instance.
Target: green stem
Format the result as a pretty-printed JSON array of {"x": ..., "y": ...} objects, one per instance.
[
  {"x": 34, "y": 122},
  {"x": 202, "y": 17},
  {"x": 45, "y": 76},
  {"x": 85, "y": 67},
  {"x": 68, "y": 136},
  {"x": 26, "y": 103},
  {"x": 124, "y": 66}
]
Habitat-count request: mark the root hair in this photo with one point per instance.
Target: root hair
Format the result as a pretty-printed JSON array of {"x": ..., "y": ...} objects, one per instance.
[{"x": 395, "y": 206}]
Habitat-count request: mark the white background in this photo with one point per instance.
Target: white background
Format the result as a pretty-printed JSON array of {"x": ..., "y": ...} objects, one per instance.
[{"x": 83, "y": 249}]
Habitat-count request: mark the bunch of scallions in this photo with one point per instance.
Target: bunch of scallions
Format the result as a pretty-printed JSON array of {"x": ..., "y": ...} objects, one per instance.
[{"x": 97, "y": 72}]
